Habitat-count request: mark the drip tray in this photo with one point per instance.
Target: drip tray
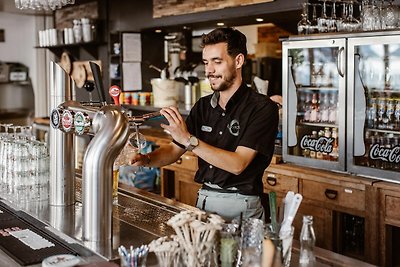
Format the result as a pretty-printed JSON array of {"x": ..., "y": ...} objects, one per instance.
[{"x": 25, "y": 242}]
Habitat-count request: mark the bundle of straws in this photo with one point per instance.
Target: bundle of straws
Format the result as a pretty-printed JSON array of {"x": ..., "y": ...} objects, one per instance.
[
  {"x": 135, "y": 257},
  {"x": 167, "y": 250},
  {"x": 195, "y": 237}
]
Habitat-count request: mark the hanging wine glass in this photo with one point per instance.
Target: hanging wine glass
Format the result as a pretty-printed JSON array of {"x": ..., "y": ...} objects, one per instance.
[
  {"x": 89, "y": 87},
  {"x": 340, "y": 21},
  {"x": 332, "y": 20},
  {"x": 323, "y": 20},
  {"x": 303, "y": 27},
  {"x": 314, "y": 20},
  {"x": 351, "y": 24}
]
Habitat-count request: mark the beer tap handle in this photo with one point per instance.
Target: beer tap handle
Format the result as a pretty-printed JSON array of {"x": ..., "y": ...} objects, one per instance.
[
  {"x": 98, "y": 82},
  {"x": 115, "y": 92}
]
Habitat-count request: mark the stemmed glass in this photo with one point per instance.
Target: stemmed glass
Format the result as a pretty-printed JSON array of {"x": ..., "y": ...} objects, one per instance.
[
  {"x": 340, "y": 21},
  {"x": 303, "y": 27},
  {"x": 332, "y": 20},
  {"x": 314, "y": 20},
  {"x": 351, "y": 24},
  {"x": 323, "y": 20},
  {"x": 89, "y": 87},
  {"x": 42, "y": 4}
]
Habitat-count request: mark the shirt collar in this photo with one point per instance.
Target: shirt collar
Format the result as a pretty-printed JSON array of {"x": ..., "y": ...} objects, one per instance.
[{"x": 234, "y": 99}]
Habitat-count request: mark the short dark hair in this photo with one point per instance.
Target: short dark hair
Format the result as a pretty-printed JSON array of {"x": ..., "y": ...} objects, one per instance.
[{"x": 235, "y": 40}]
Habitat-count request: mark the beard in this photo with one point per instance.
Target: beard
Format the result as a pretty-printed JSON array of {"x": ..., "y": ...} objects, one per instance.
[{"x": 227, "y": 81}]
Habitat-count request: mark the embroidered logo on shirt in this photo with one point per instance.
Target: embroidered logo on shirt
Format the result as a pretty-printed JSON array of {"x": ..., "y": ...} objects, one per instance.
[
  {"x": 207, "y": 129},
  {"x": 234, "y": 127}
]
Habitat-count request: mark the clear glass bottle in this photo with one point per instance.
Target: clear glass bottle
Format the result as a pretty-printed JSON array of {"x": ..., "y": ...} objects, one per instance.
[{"x": 307, "y": 243}]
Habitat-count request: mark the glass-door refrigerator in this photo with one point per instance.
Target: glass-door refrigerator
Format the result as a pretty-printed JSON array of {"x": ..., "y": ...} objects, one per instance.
[
  {"x": 314, "y": 94},
  {"x": 374, "y": 107}
]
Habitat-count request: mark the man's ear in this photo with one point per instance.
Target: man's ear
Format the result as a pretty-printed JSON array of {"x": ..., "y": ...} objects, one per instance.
[{"x": 239, "y": 61}]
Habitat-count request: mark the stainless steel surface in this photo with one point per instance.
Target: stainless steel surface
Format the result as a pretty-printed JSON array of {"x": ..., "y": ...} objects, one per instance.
[
  {"x": 111, "y": 130},
  {"x": 62, "y": 169},
  {"x": 137, "y": 219}
]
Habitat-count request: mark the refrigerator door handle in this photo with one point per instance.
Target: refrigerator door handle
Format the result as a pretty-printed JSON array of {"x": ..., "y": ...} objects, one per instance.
[
  {"x": 340, "y": 60},
  {"x": 359, "y": 110},
  {"x": 291, "y": 107}
]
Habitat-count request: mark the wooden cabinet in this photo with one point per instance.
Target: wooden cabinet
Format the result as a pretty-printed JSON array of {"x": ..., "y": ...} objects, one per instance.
[
  {"x": 177, "y": 180},
  {"x": 389, "y": 223},
  {"x": 343, "y": 207}
]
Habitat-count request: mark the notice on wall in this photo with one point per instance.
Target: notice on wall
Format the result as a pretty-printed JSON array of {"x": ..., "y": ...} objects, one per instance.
[
  {"x": 132, "y": 47},
  {"x": 132, "y": 76}
]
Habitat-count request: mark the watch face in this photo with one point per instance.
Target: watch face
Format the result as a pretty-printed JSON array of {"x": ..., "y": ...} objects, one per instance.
[{"x": 193, "y": 141}]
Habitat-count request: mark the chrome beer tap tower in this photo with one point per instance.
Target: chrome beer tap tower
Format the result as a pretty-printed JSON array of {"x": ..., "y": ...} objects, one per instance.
[{"x": 110, "y": 127}]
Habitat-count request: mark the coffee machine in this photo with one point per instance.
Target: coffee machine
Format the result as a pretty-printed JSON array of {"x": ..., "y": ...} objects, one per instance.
[{"x": 17, "y": 104}]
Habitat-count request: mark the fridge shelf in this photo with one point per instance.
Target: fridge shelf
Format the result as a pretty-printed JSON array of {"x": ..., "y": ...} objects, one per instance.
[
  {"x": 317, "y": 124},
  {"x": 383, "y": 131},
  {"x": 316, "y": 88}
]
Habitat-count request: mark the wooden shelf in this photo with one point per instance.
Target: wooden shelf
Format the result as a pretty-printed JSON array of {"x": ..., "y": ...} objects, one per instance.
[{"x": 73, "y": 49}]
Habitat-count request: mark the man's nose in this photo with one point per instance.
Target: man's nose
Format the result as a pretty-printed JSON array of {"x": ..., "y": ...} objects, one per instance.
[{"x": 209, "y": 69}]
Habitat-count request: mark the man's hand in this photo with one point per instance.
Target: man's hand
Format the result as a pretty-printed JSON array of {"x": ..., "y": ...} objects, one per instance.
[
  {"x": 177, "y": 126},
  {"x": 141, "y": 160}
]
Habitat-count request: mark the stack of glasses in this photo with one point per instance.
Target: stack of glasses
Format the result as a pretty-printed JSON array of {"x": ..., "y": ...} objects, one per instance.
[{"x": 24, "y": 165}]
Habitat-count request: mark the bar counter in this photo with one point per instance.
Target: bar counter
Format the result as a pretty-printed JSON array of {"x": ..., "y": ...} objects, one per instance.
[{"x": 138, "y": 218}]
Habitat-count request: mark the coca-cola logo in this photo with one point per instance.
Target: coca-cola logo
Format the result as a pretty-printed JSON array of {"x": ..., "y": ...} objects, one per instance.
[
  {"x": 385, "y": 153},
  {"x": 322, "y": 144}
]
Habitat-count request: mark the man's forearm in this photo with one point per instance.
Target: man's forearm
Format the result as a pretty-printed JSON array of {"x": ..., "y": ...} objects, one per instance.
[
  {"x": 234, "y": 162},
  {"x": 164, "y": 155}
]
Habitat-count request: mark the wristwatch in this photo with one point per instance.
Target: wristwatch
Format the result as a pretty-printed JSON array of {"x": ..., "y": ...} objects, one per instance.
[{"x": 193, "y": 142}]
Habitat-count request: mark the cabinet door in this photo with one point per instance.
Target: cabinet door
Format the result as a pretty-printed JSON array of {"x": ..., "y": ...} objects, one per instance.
[
  {"x": 314, "y": 100},
  {"x": 185, "y": 187}
]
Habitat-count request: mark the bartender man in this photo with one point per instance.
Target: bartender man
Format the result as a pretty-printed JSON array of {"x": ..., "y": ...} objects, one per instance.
[{"x": 232, "y": 131}]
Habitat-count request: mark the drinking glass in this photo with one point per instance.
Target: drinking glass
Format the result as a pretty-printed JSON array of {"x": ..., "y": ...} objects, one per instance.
[
  {"x": 282, "y": 241},
  {"x": 390, "y": 16},
  {"x": 314, "y": 20},
  {"x": 229, "y": 244},
  {"x": 303, "y": 26},
  {"x": 332, "y": 20},
  {"x": 252, "y": 237},
  {"x": 367, "y": 13},
  {"x": 351, "y": 24},
  {"x": 323, "y": 19},
  {"x": 89, "y": 87}
]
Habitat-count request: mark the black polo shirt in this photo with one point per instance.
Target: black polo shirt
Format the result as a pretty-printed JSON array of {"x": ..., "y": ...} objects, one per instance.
[{"x": 250, "y": 120}]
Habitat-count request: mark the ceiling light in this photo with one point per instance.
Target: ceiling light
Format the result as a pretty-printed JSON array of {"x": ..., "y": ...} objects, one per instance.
[
  {"x": 158, "y": 31},
  {"x": 259, "y": 19},
  {"x": 43, "y": 4},
  {"x": 220, "y": 24}
]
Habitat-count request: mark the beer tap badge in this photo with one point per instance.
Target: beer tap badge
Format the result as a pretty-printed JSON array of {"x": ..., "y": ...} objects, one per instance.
[{"x": 55, "y": 118}]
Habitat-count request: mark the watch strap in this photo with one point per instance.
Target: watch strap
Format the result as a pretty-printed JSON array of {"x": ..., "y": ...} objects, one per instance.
[{"x": 178, "y": 144}]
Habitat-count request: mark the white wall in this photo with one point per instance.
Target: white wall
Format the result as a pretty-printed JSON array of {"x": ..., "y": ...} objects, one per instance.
[
  {"x": 20, "y": 40},
  {"x": 251, "y": 32}
]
